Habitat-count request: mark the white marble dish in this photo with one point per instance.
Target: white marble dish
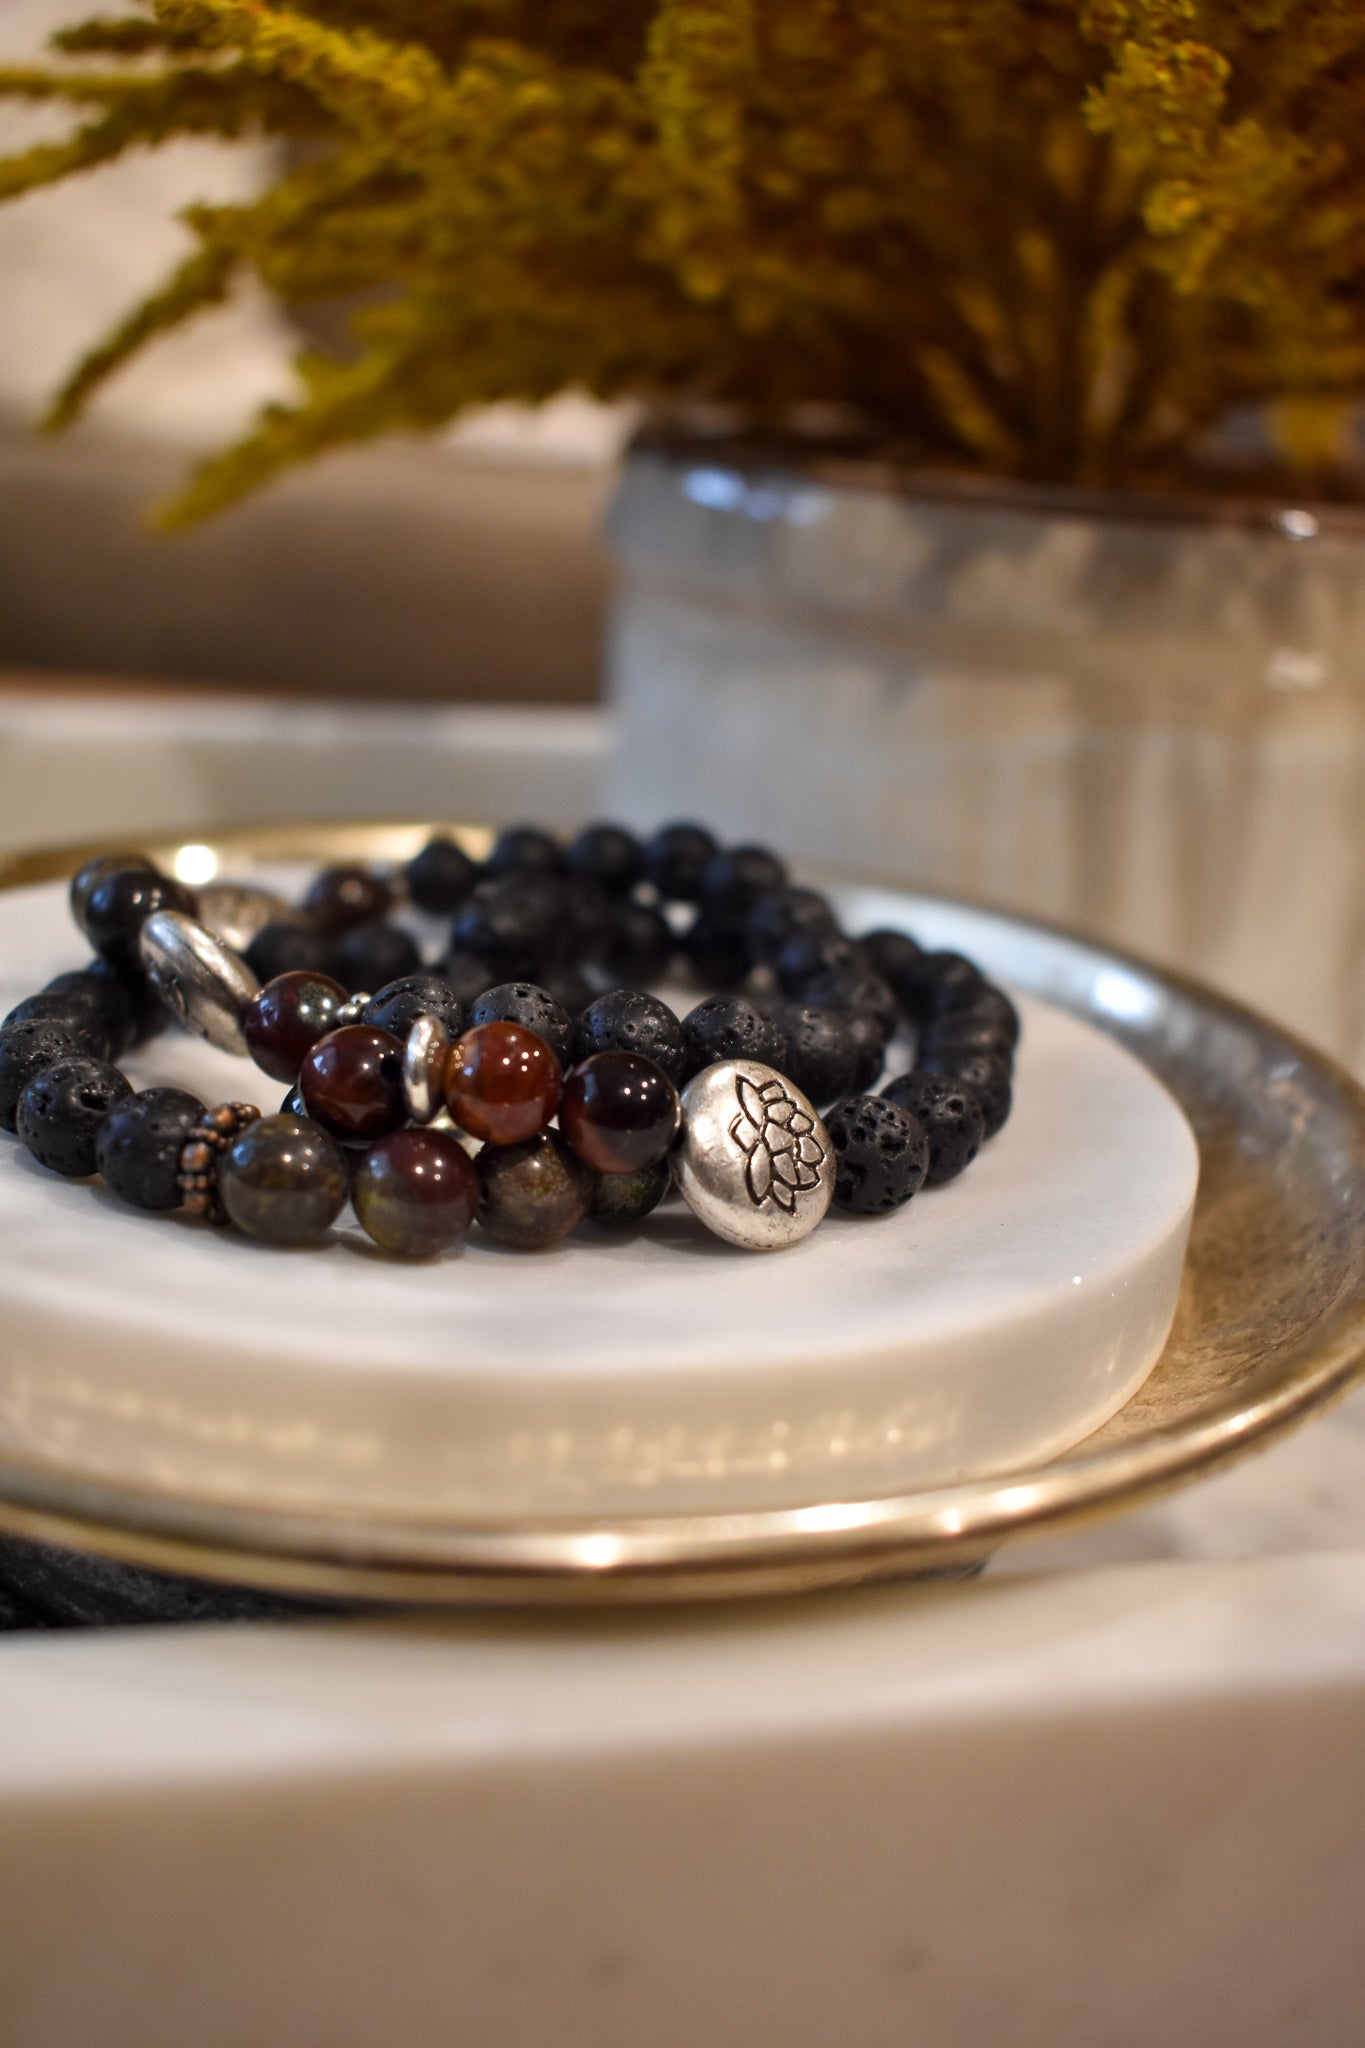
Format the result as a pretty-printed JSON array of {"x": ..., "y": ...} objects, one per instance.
[{"x": 987, "y": 1324}]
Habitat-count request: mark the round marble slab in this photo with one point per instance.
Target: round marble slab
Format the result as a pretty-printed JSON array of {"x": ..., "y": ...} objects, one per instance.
[{"x": 987, "y": 1324}]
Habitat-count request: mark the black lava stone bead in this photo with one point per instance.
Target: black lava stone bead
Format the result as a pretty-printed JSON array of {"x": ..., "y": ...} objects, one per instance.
[
  {"x": 607, "y": 855},
  {"x": 851, "y": 992},
  {"x": 881, "y": 1155},
  {"x": 288, "y": 949},
  {"x": 516, "y": 923},
  {"x": 893, "y": 955},
  {"x": 525, "y": 850},
  {"x": 526, "y": 1003},
  {"x": 937, "y": 982},
  {"x": 990, "y": 1018},
  {"x": 61, "y": 1110},
  {"x": 137, "y": 1147},
  {"x": 25, "y": 1049},
  {"x": 620, "y": 1199},
  {"x": 807, "y": 954},
  {"x": 590, "y": 919},
  {"x": 570, "y": 988},
  {"x": 987, "y": 1075},
  {"x": 632, "y": 1020},
  {"x": 639, "y": 943},
  {"x": 370, "y": 956},
  {"x": 717, "y": 950},
  {"x": 464, "y": 974},
  {"x": 780, "y": 914},
  {"x": 65, "y": 1007},
  {"x": 731, "y": 1028},
  {"x": 869, "y": 1048},
  {"x": 733, "y": 881},
  {"x": 440, "y": 877},
  {"x": 119, "y": 905},
  {"x": 396, "y": 1006},
  {"x": 951, "y": 1116},
  {"x": 109, "y": 995},
  {"x": 676, "y": 858},
  {"x": 821, "y": 1058}
]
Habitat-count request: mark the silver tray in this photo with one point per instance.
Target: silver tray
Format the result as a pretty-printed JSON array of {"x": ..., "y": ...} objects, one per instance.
[{"x": 1270, "y": 1327}]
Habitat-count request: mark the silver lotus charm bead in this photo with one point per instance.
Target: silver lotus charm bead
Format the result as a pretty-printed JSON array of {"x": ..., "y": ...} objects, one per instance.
[
  {"x": 236, "y": 912},
  {"x": 201, "y": 981},
  {"x": 754, "y": 1162},
  {"x": 424, "y": 1069}
]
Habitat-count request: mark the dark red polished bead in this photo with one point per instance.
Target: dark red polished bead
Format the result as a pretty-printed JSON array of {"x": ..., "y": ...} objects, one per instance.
[
  {"x": 351, "y": 1082},
  {"x": 347, "y": 895},
  {"x": 619, "y": 1112},
  {"x": 286, "y": 1018},
  {"x": 415, "y": 1191},
  {"x": 502, "y": 1083}
]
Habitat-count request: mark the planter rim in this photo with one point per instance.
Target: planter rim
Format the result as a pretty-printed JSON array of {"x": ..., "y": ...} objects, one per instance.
[{"x": 831, "y": 466}]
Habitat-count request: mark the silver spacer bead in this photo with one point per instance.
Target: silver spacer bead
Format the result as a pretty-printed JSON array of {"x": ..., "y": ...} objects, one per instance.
[
  {"x": 349, "y": 1013},
  {"x": 424, "y": 1066},
  {"x": 202, "y": 982},
  {"x": 754, "y": 1162},
  {"x": 236, "y": 912}
]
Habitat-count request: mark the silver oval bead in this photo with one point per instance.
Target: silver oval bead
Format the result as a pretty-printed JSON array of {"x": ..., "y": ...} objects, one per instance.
[
  {"x": 424, "y": 1064},
  {"x": 754, "y": 1162},
  {"x": 201, "y": 981},
  {"x": 236, "y": 912}
]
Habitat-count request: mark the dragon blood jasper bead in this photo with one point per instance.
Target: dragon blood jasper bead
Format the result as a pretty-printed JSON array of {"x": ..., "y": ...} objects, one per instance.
[
  {"x": 284, "y": 1020},
  {"x": 533, "y": 1194},
  {"x": 502, "y": 1083},
  {"x": 347, "y": 895},
  {"x": 351, "y": 1083},
  {"x": 201, "y": 1155},
  {"x": 283, "y": 1179},
  {"x": 754, "y": 1162},
  {"x": 619, "y": 1112},
  {"x": 415, "y": 1191},
  {"x": 621, "y": 1199}
]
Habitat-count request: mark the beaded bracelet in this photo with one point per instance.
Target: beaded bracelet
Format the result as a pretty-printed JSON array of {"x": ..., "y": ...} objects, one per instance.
[{"x": 527, "y": 1080}]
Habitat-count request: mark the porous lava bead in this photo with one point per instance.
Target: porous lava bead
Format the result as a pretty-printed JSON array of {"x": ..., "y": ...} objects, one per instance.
[
  {"x": 951, "y": 1116},
  {"x": 869, "y": 1047},
  {"x": 731, "y": 1028},
  {"x": 606, "y": 855},
  {"x": 571, "y": 989},
  {"x": 109, "y": 998},
  {"x": 396, "y": 1006},
  {"x": 369, "y": 956},
  {"x": 620, "y": 1199},
  {"x": 780, "y": 914},
  {"x": 137, "y": 1147},
  {"x": 987, "y": 1075},
  {"x": 821, "y": 1058},
  {"x": 440, "y": 877},
  {"x": 283, "y": 948},
  {"x": 464, "y": 974},
  {"x": 524, "y": 850},
  {"x": 717, "y": 950},
  {"x": 516, "y": 924},
  {"x": 351, "y": 1082},
  {"x": 93, "y": 871},
  {"x": 414, "y": 1192},
  {"x": 638, "y": 945},
  {"x": 346, "y": 895},
  {"x": 632, "y": 1020},
  {"x": 25, "y": 1049},
  {"x": 119, "y": 904},
  {"x": 808, "y": 954},
  {"x": 590, "y": 918},
  {"x": 285, "y": 1019},
  {"x": 283, "y": 1179},
  {"x": 938, "y": 982},
  {"x": 533, "y": 1007},
  {"x": 65, "y": 1007},
  {"x": 893, "y": 955},
  {"x": 733, "y": 881},
  {"x": 61, "y": 1110},
  {"x": 619, "y": 1112},
  {"x": 990, "y": 1019},
  {"x": 502, "y": 1083},
  {"x": 676, "y": 858},
  {"x": 881, "y": 1155},
  {"x": 533, "y": 1194},
  {"x": 850, "y": 992}
]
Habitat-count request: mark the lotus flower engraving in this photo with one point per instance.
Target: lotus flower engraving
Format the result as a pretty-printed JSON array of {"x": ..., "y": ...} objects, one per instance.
[{"x": 779, "y": 1140}]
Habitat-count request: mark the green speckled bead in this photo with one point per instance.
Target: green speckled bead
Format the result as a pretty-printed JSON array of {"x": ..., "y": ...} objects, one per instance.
[
  {"x": 620, "y": 1199},
  {"x": 283, "y": 1179},
  {"x": 533, "y": 1194},
  {"x": 414, "y": 1192}
]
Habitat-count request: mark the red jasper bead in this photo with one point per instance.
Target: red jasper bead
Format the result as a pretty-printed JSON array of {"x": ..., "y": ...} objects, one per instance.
[
  {"x": 619, "y": 1112},
  {"x": 286, "y": 1018},
  {"x": 347, "y": 895},
  {"x": 415, "y": 1191},
  {"x": 351, "y": 1082},
  {"x": 502, "y": 1083}
]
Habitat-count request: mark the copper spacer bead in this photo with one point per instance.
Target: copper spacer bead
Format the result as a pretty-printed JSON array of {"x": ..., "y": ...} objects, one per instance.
[{"x": 197, "y": 1178}]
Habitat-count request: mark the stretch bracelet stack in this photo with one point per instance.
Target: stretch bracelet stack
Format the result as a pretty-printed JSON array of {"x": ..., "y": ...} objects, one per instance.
[{"x": 527, "y": 1080}]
